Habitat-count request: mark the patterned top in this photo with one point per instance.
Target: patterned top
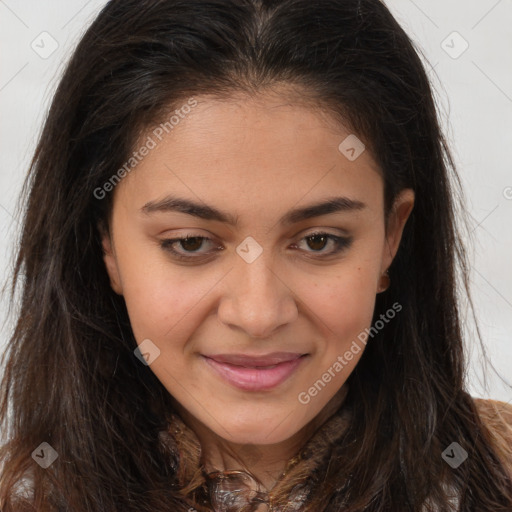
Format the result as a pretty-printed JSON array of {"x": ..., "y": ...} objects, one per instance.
[{"x": 238, "y": 491}]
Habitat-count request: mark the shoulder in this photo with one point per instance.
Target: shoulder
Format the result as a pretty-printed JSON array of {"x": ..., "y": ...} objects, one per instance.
[{"x": 497, "y": 417}]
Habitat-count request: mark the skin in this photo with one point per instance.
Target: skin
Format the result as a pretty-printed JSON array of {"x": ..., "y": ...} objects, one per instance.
[{"x": 255, "y": 158}]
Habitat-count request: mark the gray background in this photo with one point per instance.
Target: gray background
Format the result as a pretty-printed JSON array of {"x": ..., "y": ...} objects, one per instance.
[{"x": 473, "y": 90}]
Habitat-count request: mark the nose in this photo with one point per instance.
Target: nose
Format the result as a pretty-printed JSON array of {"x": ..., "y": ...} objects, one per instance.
[{"x": 258, "y": 300}]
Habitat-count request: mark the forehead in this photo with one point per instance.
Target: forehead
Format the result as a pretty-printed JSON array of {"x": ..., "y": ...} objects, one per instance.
[{"x": 252, "y": 152}]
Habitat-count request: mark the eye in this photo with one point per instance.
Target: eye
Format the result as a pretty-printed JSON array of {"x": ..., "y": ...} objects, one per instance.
[
  {"x": 191, "y": 245},
  {"x": 320, "y": 240}
]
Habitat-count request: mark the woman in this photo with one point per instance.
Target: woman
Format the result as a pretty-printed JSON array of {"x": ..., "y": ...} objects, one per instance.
[{"x": 238, "y": 275}]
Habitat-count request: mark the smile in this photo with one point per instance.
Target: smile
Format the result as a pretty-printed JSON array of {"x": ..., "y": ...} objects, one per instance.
[{"x": 251, "y": 375}]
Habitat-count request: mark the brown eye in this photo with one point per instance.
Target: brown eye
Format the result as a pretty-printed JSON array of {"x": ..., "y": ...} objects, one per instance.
[
  {"x": 191, "y": 244},
  {"x": 189, "y": 248},
  {"x": 185, "y": 247},
  {"x": 317, "y": 242}
]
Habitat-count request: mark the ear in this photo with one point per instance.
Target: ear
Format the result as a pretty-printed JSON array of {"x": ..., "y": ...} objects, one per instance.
[
  {"x": 110, "y": 260},
  {"x": 400, "y": 211}
]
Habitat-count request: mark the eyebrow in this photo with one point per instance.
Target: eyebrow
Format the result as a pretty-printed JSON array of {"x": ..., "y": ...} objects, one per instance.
[{"x": 203, "y": 211}]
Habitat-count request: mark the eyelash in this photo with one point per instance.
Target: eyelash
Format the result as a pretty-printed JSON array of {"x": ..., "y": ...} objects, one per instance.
[{"x": 341, "y": 243}]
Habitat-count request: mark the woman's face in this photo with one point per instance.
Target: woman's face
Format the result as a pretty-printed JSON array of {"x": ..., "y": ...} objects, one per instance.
[{"x": 251, "y": 321}]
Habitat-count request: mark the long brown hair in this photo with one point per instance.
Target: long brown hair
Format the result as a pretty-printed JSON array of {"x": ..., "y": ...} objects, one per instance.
[{"x": 71, "y": 377}]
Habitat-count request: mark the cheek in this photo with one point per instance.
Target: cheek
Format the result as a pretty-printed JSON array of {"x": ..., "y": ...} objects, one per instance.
[
  {"x": 343, "y": 308},
  {"x": 156, "y": 294},
  {"x": 344, "y": 304},
  {"x": 158, "y": 304}
]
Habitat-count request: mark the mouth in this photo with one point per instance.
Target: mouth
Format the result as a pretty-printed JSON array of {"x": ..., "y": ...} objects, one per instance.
[{"x": 255, "y": 373}]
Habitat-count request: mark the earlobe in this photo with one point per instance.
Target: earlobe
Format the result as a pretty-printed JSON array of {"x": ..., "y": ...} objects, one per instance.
[{"x": 110, "y": 261}]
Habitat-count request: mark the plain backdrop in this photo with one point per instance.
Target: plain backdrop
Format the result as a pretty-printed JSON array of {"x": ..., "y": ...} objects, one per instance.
[{"x": 466, "y": 47}]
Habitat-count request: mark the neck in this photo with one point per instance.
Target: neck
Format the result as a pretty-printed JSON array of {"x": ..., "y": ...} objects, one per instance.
[{"x": 266, "y": 463}]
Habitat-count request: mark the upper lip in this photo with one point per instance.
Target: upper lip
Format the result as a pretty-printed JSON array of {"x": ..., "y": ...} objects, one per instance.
[{"x": 264, "y": 360}]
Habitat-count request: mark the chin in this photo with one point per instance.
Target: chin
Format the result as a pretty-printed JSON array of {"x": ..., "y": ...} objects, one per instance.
[{"x": 255, "y": 430}]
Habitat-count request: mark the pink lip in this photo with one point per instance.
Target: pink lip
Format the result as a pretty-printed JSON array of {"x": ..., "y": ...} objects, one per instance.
[{"x": 249, "y": 372}]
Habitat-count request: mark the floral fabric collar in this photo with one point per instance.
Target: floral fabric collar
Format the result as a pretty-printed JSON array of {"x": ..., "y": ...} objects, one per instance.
[{"x": 237, "y": 490}]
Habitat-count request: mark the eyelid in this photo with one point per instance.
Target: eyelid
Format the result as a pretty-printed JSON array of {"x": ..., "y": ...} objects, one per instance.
[
  {"x": 342, "y": 233},
  {"x": 341, "y": 242},
  {"x": 167, "y": 244}
]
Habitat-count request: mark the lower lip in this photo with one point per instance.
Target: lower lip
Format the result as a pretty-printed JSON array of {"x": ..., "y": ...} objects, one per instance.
[{"x": 255, "y": 379}]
